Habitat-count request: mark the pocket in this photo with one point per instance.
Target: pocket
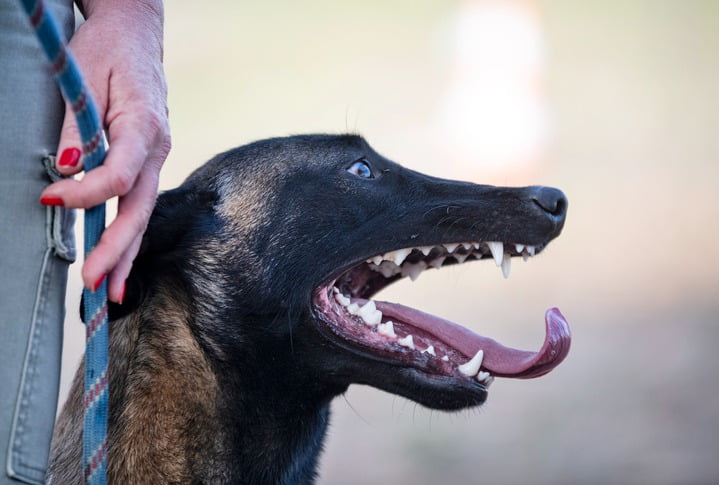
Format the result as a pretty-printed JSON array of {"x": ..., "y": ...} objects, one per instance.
[{"x": 60, "y": 221}]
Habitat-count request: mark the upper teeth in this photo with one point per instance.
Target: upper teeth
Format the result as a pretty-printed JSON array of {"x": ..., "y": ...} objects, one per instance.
[
  {"x": 395, "y": 262},
  {"x": 497, "y": 249}
]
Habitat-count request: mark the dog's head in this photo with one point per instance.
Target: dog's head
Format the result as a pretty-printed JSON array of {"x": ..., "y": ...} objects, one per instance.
[{"x": 279, "y": 246}]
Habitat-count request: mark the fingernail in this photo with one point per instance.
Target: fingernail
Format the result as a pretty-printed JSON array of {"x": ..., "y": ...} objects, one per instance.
[
  {"x": 122, "y": 294},
  {"x": 69, "y": 157},
  {"x": 51, "y": 200},
  {"x": 97, "y": 284}
]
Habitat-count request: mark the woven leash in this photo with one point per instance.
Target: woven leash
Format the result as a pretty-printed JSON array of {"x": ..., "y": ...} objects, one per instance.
[{"x": 67, "y": 75}]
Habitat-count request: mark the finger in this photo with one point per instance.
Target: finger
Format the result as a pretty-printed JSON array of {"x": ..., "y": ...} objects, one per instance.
[
  {"x": 116, "y": 282},
  {"x": 115, "y": 177},
  {"x": 69, "y": 152},
  {"x": 133, "y": 213}
]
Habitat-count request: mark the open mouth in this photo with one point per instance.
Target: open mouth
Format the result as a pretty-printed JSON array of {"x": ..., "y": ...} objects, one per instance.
[{"x": 438, "y": 348}]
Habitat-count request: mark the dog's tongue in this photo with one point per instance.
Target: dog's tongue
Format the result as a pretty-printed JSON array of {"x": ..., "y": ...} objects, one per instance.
[{"x": 499, "y": 360}]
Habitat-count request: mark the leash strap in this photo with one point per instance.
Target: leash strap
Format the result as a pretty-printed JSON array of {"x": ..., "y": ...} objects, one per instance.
[{"x": 67, "y": 75}]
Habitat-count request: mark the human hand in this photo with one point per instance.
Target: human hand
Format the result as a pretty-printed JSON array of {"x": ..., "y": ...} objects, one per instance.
[{"x": 119, "y": 51}]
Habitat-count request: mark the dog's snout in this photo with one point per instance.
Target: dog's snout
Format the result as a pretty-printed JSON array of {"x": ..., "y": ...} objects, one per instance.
[{"x": 551, "y": 200}]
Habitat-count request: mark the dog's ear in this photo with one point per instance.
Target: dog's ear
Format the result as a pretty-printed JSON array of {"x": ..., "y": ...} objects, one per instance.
[{"x": 175, "y": 221}]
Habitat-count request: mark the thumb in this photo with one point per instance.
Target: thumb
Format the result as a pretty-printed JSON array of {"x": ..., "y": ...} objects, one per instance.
[{"x": 69, "y": 149}]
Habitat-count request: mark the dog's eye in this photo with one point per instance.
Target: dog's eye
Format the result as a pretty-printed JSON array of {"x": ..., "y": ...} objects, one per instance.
[{"x": 362, "y": 169}]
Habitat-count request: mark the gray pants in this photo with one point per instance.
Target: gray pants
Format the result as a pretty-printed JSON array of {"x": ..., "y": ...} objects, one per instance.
[{"x": 36, "y": 246}]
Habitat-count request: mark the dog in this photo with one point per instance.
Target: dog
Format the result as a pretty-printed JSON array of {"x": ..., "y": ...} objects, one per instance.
[{"x": 249, "y": 308}]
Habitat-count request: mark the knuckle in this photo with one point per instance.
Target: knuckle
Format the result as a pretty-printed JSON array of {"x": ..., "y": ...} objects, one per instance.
[{"x": 121, "y": 182}]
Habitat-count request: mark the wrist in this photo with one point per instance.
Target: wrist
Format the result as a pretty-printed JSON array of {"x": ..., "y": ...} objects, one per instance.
[
  {"x": 141, "y": 20},
  {"x": 146, "y": 11}
]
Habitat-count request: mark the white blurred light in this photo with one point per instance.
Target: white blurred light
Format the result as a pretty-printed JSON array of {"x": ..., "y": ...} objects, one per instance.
[{"x": 492, "y": 113}]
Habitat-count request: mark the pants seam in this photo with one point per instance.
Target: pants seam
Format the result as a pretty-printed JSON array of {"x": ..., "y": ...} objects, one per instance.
[{"x": 14, "y": 458}]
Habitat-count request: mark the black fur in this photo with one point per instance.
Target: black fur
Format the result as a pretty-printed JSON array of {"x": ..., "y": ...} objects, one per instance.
[{"x": 244, "y": 243}]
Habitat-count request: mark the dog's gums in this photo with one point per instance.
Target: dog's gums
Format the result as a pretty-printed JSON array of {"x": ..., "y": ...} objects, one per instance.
[{"x": 434, "y": 346}]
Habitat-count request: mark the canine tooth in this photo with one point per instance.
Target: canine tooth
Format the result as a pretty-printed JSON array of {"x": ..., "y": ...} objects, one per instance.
[
  {"x": 506, "y": 265},
  {"x": 413, "y": 270},
  {"x": 341, "y": 299},
  {"x": 519, "y": 247},
  {"x": 370, "y": 314},
  {"x": 426, "y": 249},
  {"x": 451, "y": 247},
  {"x": 497, "y": 248},
  {"x": 407, "y": 342},
  {"x": 335, "y": 289},
  {"x": 471, "y": 367},
  {"x": 531, "y": 250},
  {"x": 376, "y": 260},
  {"x": 399, "y": 256},
  {"x": 429, "y": 350},
  {"x": 445, "y": 358},
  {"x": 437, "y": 263},
  {"x": 387, "y": 329},
  {"x": 353, "y": 308}
]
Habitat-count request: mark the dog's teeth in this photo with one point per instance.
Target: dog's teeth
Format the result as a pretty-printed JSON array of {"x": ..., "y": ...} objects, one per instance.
[
  {"x": 506, "y": 265},
  {"x": 445, "y": 358},
  {"x": 426, "y": 249},
  {"x": 525, "y": 256},
  {"x": 451, "y": 247},
  {"x": 437, "y": 263},
  {"x": 389, "y": 269},
  {"x": 387, "y": 329},
  {"x": 460, "y": 257},
  {"x": 335, "y": 289},
  {"x": 485, "y": 378},
  {"x": 471, "y": 367},
  {"x": 476, "y": 245},
  {"x": 467, "y": 246},
  {"x": 377, "y": 260},
  {"x": 429, "y": 350},
  {"x": 531, "y": 250},
  {"x": 341, "y": 299},
  {"x": 519, "y": 248},
  {"x": 407, "y": 341},
  {"x": 497, "y": 249},
  {"x": 370, "y": 314},
  {"x": 413, "y": 270},
  {"x": 353, "y": 308},
  {"x": 399, "y": 256}
]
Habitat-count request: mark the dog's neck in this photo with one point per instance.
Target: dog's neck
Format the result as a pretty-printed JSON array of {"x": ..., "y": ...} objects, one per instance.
[{"x": 179, "y": 416}]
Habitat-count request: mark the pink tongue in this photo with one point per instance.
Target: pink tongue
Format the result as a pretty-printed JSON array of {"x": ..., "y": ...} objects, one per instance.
[{"x": 498, "y": 360}]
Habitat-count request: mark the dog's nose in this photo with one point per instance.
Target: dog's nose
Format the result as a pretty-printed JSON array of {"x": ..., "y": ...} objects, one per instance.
[{"x": 551, "y": 200}]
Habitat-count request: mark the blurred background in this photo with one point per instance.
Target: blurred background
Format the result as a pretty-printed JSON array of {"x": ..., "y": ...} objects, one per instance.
[{"x": 616, "y": 102}]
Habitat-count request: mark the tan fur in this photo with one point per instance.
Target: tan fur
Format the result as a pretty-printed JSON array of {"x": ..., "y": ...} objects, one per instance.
[{"x": 169, "y": 389}]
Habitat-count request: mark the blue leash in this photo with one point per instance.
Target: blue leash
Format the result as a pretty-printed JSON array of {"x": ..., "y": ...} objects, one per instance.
[{"x": 67, "y": 75}]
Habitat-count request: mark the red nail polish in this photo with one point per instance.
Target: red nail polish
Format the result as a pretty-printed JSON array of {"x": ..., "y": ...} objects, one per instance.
[
  {"x": 97, "y": 284},
  {"x": 69, "y": 157},
  {"x": 122, "y": 295},
  {"x": 51, "y": 200}
]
